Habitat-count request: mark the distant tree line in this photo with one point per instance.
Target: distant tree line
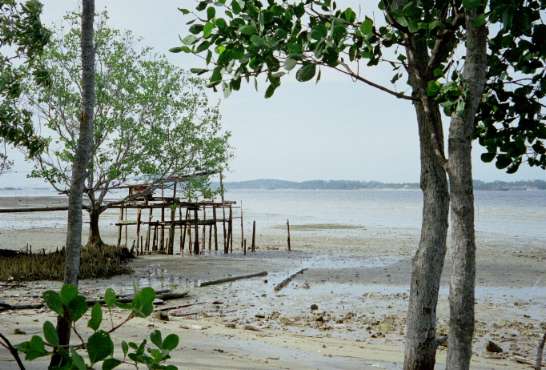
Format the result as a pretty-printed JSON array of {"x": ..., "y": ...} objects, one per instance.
[{"x": 273, "y": 184}]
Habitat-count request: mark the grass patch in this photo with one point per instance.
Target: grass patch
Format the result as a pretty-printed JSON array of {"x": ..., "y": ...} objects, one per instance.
[{"x": 102, "y": 262}]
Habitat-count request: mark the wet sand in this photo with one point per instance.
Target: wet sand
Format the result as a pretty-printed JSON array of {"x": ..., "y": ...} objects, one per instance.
[{"x": 358, "y": 278}]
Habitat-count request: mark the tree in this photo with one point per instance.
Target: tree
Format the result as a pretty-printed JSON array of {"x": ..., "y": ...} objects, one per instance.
[
  {"x": 79, "y": 168},
  {"x": 22, "y": 39},
  {"x": 419, "y": 39},
  {"x": 151, "y": 118}
]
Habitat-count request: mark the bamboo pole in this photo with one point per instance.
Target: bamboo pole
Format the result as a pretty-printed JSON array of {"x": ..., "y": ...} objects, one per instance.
[
  {"x": 196, "y": 241},
  {"x": 242, "y": 227},
  {"x": 150, "y": 214},
  {"x": 253, "y": 246},
  {"x": 215, "y": 228},
  {"x": 288, "y": 238},
  {"x": 138, "y": 244}
]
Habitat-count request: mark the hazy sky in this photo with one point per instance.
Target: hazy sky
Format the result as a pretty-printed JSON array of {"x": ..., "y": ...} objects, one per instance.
[{"x": 337, "y": 129}]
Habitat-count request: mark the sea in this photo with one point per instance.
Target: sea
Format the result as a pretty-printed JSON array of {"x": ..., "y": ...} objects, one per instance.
[{"x": 512, "y": 213}]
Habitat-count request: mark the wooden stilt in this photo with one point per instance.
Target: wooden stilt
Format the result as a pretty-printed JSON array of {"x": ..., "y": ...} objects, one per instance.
[
  {"x": 126, "y": 227},
  {"x": 182, "y": 231},
  {"x": 162, "y": 235},
  {"x": 196, "y": 241},
  {"x": 154, "y": 243},
  {"x": 150, "y": 214},
  {"x": 288, "y": 238},
  {"x": 215, "y": 228},
  {"x": 242, "y": 227},
  {"x": 170, "y": 249},
  {"x": 253, "y": 246},
  {"x": 204, "y": 229},
  {"x": 223, "y": 212},
  {"x": 120, "y": 226},
  {"x": 138, "y": 244},
  {"x": 210, "y": 238},
  {"x": 230, "y": 240},
  {"x": 244, "y": 247}
]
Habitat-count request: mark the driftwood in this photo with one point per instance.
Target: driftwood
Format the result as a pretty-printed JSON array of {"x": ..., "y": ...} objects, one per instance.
[
  {"x": 164, "y": 295},
  {"x": 286, "y": 281},
  {"x": 169, "y": 308},
  {"x": 540, "y": 352},
  {"x": 232, "y": 278}
]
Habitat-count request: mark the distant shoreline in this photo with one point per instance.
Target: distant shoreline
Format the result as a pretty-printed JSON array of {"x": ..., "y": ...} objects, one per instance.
[{"x": 276, "y": 184}]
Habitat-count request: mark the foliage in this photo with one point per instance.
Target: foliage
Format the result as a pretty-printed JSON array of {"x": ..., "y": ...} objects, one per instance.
[
  {"x": 22, "y": 37},
  {"x": 97, "y": 350},
  {"x": 244, "y": 39},
  {"x": 95, "y": 263},
  {"x": 151, "y": 118}
]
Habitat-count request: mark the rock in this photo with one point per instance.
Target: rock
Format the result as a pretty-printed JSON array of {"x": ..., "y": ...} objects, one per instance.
[
  {"x": 259, "y": 316},
  {"x": 251, "y": 328},
  {"x": 314, "y": 307},
  {"x": 231, "y": 325},
  {"x": 18, "y": 331},
  {"x": 493, "y": 347},
  {"x": 161, "y": 315},
  {"x": 217, "y": 302}
]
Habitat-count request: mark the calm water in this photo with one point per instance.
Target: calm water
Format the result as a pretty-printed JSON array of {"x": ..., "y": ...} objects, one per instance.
[{"x": 510, "y": 213}]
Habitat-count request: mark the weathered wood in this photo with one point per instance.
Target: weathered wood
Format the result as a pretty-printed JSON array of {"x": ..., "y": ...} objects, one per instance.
[
  {"x": 232, "y": 278},
  {"x": 287, "y": 281},
  {"x": 149, "y": 231},
  {"x": 253, "y": 245},
  {"x": 540, "y": 353},
  {"x": 210, "y": 238},
  {"x": 204, "y": 235},
  {"x": 215, "y": 228},
  {"x": 170, "y": 248},
  {"x": 288, "y": 237},
  {"x": 138, "y": 244},
  {"x": 34, "y": 209},
  {"x": 196, "y": 241},
  {"x": 119, "y": 227},
  {"x": 230, "y": 240},
  {"x": 242, "y": 227},
  {"x": 154, "y": 244}
]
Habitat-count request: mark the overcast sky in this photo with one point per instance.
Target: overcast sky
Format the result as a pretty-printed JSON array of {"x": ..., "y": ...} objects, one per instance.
[{"x": 337, "y": 129}]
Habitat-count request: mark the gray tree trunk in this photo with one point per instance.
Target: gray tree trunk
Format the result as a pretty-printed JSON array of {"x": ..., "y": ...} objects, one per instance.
[
  {"x": 79, "y": 168},
  {"x": 428, "y": 262},
  {"x": 462, "y": 281}
]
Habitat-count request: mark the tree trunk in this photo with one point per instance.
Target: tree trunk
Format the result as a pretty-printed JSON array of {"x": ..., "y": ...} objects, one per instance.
[
  {"x": 462, "y": 281},
  {"x": 79, "y": 168},
  {"x": 95, "y": 239},
  {"x": 428, "y": 262}
]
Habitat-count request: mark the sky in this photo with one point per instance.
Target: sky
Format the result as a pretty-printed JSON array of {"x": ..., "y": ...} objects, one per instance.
[{"x": 336, "y": 129}]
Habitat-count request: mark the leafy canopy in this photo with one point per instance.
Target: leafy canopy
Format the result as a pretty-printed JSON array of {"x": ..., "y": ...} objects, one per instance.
[
  {"x": 151, "y": 117},
  {"x": 244, "y": 39},
  {"x": 22, "y": 39}
]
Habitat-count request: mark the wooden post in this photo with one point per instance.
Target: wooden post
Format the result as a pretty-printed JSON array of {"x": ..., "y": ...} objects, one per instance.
[
  {"x": 244, "y": 247},
  {"x": 253, "y": 246},
  {"x": 138, "y": 244},
  {"x": 126, "y": 227},
  {"x": 288, "y": 238},
  {"x": 204, "y": 228},
  {"x": 196, "y": 241},
  {"x": 149, "y": 230},
  {"x": 162, "y": 235},
  {"x": 183, "y": 231},
  {"x": 242, "y": 227},
  {"x": 120, "y": 225},
  {"x": 230, "y": 240},
  {"x": 223, "y": 212},
  {"x": 215, "y": 228},
  {"x": 210, "y": 238},
  {"x": 154, "y": 243},
  {"x": 170, "y": 249}
]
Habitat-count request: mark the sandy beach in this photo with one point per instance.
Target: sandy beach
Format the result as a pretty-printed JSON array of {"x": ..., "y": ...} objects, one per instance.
[{"x": 357, "y": 276}]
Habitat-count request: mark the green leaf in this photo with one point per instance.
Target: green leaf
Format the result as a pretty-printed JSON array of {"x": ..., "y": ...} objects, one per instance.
[
  {"x": 99, "y": 346},
  {"x": 110, "y": 363},
  {"x": 142, "y": 304},
  {"x": 77, "y": 360},
  {"x": 290, "y": 63},
  {"x": 257, "y": 41},
  {"x": 179, "y": 49},
  {"x": 189, "y": 40},
  {"x": 170, "y": 342},
  {"x": 96, "y": 317},
  {"x": 68, "y": 293},
  {"x": 77, "y": 308},
  {"x": 471, "y": 4},
  {"x": 306, "y": 72},
  {"x": 433, "y": 88},
  {"x": 50, "y": 333},
  {"x": 366, "y": 27},
  {"x": 33, "y": 349},
  {"x": 198, "y": 71},
  {"x": 211, "y": 12},
  {"x": 184, "y": 11},
  {"x": 479, "y": 20},
  {"x": 248, "y": 29},
  {"x": 110, "y": 298},
  {"x": 488, "y": 157},
  {"x": 53, "y": 302},
  {"x": 124, "y": 348},
  {"x": 156, "y": 339}
]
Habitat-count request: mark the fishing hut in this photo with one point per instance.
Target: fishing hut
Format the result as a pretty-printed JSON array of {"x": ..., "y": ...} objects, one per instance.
[{"x": 155, "y": 218}]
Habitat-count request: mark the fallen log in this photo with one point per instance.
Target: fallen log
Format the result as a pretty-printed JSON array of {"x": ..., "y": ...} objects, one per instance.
[
  {"x": 287, "y": 281},
  {"x": 232, "y": 278},
  {"x": 164, "y": 295}
]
